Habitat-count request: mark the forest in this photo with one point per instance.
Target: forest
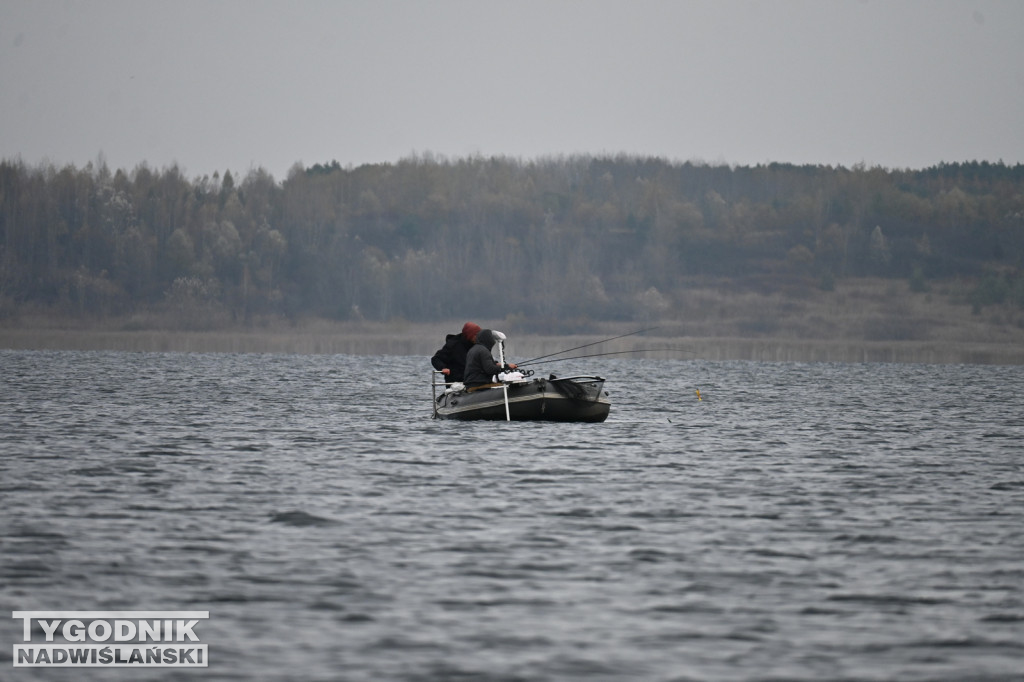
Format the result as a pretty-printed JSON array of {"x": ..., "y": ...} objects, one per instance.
[{"x": 564, "y": 238}]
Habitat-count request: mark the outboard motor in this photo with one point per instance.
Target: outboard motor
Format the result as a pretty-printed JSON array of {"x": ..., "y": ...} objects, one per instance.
[{"x": 500, "y": 338}]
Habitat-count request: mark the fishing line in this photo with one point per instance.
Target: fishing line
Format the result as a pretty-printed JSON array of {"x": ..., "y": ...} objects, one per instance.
[
  {"x": 597, "y": 355},
  {"x": 586, "y": 345}
]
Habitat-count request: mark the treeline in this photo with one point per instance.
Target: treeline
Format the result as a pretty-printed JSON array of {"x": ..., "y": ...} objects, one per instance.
[{"x": 426, "y": 238}]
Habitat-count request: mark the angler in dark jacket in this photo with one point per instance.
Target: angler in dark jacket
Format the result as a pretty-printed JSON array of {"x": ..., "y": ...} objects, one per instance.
[
  {"x": 450, "y": 359},
  {"x": 480, "y": 365}
]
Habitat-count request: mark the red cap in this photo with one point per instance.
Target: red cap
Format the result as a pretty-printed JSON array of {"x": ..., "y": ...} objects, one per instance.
[{"x": 469, "y": 330}]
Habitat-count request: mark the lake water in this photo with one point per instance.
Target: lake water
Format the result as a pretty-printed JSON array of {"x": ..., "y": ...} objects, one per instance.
[{"x": 801, "y": 521}]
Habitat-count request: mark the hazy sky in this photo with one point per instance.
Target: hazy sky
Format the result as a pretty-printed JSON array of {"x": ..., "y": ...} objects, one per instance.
[{"x": 224, "y": 84}]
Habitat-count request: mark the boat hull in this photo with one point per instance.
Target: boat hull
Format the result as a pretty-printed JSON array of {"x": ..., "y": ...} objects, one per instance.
[{"x": 572, "y": 399}]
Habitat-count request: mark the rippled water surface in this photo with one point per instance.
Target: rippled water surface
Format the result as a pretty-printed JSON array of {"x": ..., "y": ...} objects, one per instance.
[{"x": 823, "y": 521}]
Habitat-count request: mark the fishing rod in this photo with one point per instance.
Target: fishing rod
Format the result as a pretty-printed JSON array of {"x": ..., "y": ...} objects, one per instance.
[
  {"x": 617, "y": 352},
  {"x": 586, "y": 345}
]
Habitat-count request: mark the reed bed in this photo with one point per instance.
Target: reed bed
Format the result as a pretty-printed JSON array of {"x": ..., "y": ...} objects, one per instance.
[
  {"x": 420, "y": 342},
  {"x": 870, "y": 320}
]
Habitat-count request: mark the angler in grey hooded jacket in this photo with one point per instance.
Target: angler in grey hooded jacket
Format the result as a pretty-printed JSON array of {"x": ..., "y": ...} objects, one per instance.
[{"x": 480, "y": 366}]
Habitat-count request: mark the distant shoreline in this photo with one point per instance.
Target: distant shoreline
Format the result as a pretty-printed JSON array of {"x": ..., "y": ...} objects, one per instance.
[
  {"x": 861, "y": 320},
  {"x": 325, "y": 338}
]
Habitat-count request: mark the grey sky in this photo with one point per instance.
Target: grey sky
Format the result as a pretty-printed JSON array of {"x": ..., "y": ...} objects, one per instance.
[{"x": 223, "y": 84}]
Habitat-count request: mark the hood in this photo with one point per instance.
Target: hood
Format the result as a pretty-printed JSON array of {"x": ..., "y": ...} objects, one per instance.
[{"x": 486, "y": 337}]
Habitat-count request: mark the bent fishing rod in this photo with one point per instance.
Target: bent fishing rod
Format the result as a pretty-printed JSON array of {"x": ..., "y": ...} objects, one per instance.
[{"x": 586, "y": 345}]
